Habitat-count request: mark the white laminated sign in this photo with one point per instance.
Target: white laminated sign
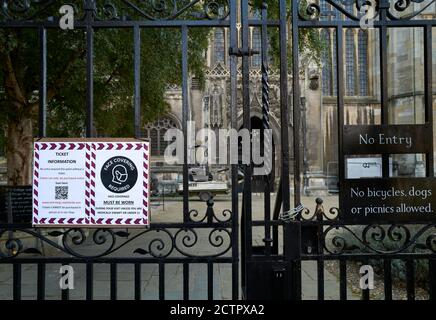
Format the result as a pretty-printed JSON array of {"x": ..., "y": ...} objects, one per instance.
[{"x": 91, "y": 183}]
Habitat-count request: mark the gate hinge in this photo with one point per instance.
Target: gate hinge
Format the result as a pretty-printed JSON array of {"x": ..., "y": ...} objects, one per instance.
[{"x": 239, "y": 52}]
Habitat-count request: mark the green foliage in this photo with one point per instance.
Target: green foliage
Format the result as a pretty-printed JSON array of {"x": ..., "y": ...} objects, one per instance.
[
  {"x": 309, "y": 39},
  {"x": 113, "y": 75},
  {"x": 113, "y": 71},
  {"x": 398, "y": 267}
]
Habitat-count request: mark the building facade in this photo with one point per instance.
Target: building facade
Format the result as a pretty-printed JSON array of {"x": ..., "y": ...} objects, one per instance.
[{"x": 210, "y": 106}]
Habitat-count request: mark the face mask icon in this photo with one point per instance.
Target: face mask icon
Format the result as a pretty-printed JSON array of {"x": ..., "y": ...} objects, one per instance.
[{"x": 119, "y": 174}]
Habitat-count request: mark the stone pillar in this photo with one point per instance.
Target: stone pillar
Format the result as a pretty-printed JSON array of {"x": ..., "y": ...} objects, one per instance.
[{"x": 313, "y": 150}]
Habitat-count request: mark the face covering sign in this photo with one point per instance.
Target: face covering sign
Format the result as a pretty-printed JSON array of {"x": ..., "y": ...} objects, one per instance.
[{"x": 91, "y": 182}]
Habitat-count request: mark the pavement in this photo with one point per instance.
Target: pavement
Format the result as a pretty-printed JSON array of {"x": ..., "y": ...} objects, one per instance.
[{"x": 170, "y": 211}]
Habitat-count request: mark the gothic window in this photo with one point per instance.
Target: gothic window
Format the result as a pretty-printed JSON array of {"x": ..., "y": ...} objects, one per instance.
[
  {"x": 356, "y": 63},
  {"x": 155, "y": 131},
  {"x": 350, "y": 63},
  {"x": 256, "y": 45},
  {"x": 326, "y": 64},
  {"x": 219, "y": 48},
  {"x": 363, "y": 63}
]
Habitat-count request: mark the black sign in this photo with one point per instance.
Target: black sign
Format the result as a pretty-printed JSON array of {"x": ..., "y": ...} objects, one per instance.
[
  {"x": 16, "y": 204},
  {"x": 119, "y": 174},
  {"x": 386, "y": 139},
  {"x": 388, "y": 199}
]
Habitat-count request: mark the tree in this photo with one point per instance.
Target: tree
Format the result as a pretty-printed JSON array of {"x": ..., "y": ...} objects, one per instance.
[
  {"x": 113, "y": 76},
  {"x": 66, "y": 77}
]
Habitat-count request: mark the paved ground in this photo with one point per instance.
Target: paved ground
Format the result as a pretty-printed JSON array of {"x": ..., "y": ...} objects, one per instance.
[{"x": 171, "y": 212}]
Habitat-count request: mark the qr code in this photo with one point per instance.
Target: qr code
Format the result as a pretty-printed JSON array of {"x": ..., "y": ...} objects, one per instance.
[{"x": 61, "y": 192}]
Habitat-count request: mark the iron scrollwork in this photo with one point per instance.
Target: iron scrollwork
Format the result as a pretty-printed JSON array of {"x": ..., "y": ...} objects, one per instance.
[
  {"x": 25, "y": 10},
  {"x": 352, "y": 9},
  {"x": 163, "y": 10},
  {"x": 339, "y": 237},
  {"x": 380, "y": 239},
  {"x": 160, "y": 242},
  {"x": 22, "y": 10},
  {"x": 319, "y": 213},
  {"x": 210, "y": 214}
]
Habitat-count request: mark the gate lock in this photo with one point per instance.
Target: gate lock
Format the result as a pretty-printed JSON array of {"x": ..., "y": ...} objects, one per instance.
[{"x": 292, "y": 214}]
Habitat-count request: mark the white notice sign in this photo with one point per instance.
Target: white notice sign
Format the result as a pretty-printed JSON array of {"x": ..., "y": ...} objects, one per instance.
[{"x": 91, "y": 183}]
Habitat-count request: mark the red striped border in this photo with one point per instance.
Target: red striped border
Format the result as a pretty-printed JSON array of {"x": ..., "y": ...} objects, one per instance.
[
  {"x": 60, "y": 145},
  {"x": 118, "y": 145},
  {"x": 87, "y": 183},
  {"x": 146, "y": 201},
  {"x": 35, "y": 204},
  {"x": 92, "y": 184}
]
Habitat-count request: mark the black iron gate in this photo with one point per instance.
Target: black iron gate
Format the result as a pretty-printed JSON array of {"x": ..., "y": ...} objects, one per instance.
[
  {"x": 163, "y": 244},
  {"x": 291, "y": 236},
  {"x": 319, "y": 236}
]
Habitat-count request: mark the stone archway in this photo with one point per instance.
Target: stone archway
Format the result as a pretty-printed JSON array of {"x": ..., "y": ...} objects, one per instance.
[{"x": 256, "y": 123}]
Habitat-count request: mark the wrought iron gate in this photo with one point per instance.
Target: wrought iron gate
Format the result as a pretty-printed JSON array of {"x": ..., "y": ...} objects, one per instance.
[
  {"x": 269, "y": 271},
  {"x": 163, "y": 244},
  {"x": 321, "y": 236}
]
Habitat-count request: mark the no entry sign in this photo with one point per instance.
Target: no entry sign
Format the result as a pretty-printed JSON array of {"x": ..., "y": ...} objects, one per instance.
[
  {"x": 91, "y": 183},
  {"x": 387, "y": 198}
]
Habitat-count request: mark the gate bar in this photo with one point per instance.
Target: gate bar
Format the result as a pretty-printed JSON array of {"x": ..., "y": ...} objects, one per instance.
[
  {"x": 340, "y": 100},
  {"x": 113, "y": 280},
  {"x": 387, "y": 276},
  {"x": 266, "y": 126},
  {"x": 343, "y": 280},
  {"x": 17, "y": 281},
  {"x": 42, "y": 82},
  {"x": 185, "y": 281},
  {"x": 89, "y": 18},
  {"x": 365, "y": 292},
  {"x": 137, "y": 80},
  {"x": 41, "y": 281},
  {"x": 284, "y": 115},
  {"x": 234, "y": 167},
  {"x": 185, "y": 119},
  {"x": 320, "y": 279},
  {"x": 247, "y": 212},
  {"x": 161, "y": 281},
  {"x": 432, "y": 278},
  {"x": 410, "y": 279},
  {"x": 89, "y": 280},
  {"x": 428, "y": 91},
  {"x": 137, "y": 281},
  {"x": 89, "y": 81},
  {"x": 65, "y": 293},
  {"x": 383, "y": 46},
  {"x": 210, "y": 280},
  {"x": 291, "y": 231}
]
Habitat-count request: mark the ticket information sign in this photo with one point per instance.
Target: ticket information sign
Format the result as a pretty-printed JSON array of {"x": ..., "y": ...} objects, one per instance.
[{"x": 91, "y": 183}]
